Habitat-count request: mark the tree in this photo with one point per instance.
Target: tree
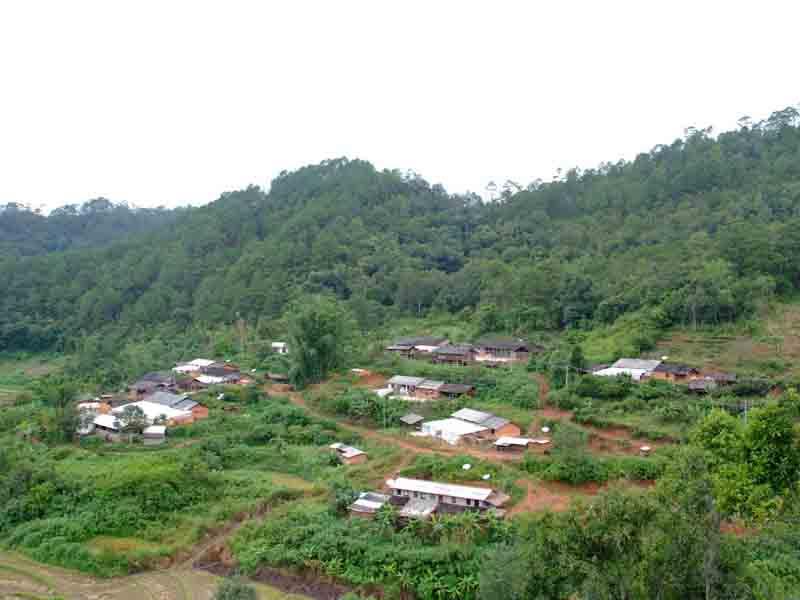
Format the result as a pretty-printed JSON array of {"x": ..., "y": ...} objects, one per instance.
[
  {"x": 132, "y": 420},
  {"x": 772, "y": 448},
  {"x": 235, "y": 589},
  {"x": 320, "y": 333},
  {"x": 504, "y": 574}
]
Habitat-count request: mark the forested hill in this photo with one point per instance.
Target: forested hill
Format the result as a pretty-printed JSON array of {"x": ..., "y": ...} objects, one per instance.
[
  {"x": 697, "y": 231},
  {"x": 98, "y": 222}
]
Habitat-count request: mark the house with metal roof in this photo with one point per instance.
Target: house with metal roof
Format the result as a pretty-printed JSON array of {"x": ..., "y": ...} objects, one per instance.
[
  {"x": 429, "y": 497},
  {"x": 412, "y": 419},
  {"x": 461, "y": 354},
  {"x": 347, "y": 454},
  {"x": 499, "y": 351},
  {"x": 454, "y": 390},
  {"x": 453, "y": 431},
  {"x": 368, "y": 504},
  {"x": 635, "y": 368},
  {"x": 496, "y": 426},
  {"x": 674, "y": 372},
  {"x": 403, "y": 385},
  {"x": 409, "y": 346},
  {"x": 181, "y": 402}
]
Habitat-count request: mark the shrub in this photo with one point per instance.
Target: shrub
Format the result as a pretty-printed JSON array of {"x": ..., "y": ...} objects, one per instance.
[{"x": 235, "y": 589}]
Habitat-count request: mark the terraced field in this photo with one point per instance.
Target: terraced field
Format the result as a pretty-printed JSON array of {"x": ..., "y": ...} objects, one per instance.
[{"x": 21, "y": 578}]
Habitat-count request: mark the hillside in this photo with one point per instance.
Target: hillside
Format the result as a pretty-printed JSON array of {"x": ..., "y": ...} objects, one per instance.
[
  {"x": 700, "y": 231},
  {"x": 98, "y": 222}
]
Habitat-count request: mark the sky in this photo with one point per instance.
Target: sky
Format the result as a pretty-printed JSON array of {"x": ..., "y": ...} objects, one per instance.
[{"x": 172, "y": 103}]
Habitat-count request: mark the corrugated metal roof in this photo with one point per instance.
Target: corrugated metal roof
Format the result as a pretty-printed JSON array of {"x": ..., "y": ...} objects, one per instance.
[
  {"x": 636, "y": 363},
  {"x": 456, "y": 388},
  {"x": 165, "y": 398},
  {"x": 412, "y": 418},
  {"x": 513, "y": 441},
  {"x": 473, "y": 416},
  {"x": 459, "y": 350},
  {"x": 346, "y": 451},
  {"x": 456, "y": 427},
  {"x": 106, "y": 420},
  {"x": 439, "y": 489},
  {"x": 430, "y": 385},
  {"x": 405, "y": 380},
  {"x": 495, "y": 422}
]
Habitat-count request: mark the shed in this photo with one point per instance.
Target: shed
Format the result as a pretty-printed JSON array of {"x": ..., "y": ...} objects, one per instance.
[
  {"x": 154, "y": 435},
  {"x": 454, "y": 390},
  {"x": 348, "y": 455},
  {"x": 368, "y": 504},
  {"x": 412, "y": 419}
]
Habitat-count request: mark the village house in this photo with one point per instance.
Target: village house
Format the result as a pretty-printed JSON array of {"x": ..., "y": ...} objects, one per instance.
[
  {"x": 455, "y": 390},
  {"x": 151, "y": 382},
  {"x": 408, "y": 347},
  {"x": 179, "y": 402},
  {"x": 420, "y": 498},
  {"x": 403, "y": 385},
  {"x": 279, "y": 347},
  {"x": 428, "y": 390},
  {"x": 217, "y": 375},
  {"x": 453, "y": 431},
  {"x": 154, "y": 411},
  {"x": 635, "y": 368},
  {"x": 674, "y": 373},
  {"x": 708, "y": 382},
  {"x": 461, "y": 355},
  {"x": 368, "y": 504},
  {"x": 498, "y": 351},
  {"x": 195, "y": 366},
  {"x": 349, "y": 455},
  {"x": 496, "y": 426},
  {"x": 106, "y": 427}
]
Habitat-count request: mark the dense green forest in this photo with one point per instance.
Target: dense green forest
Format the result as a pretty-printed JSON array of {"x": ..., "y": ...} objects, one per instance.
[
  {"x": 695, "y": 232},
  {"x": 99, "y": 222}
]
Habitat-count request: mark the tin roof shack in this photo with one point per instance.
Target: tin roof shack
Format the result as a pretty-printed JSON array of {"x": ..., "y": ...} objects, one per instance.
[
  {"x": 496, "y": 426},
  {"x": 154, "y": 411},
  {"x": 349, "y": 455},
  {"x": 279, "y": 347},
  {"x": 453, "y": 431},
  {"x": 635, "y": 368},
  {"x": 517, "y": 444},
  {"x": 674, "y": 373},
  {"x": 428, "y": 390},
  {"x": 402, "y": 385},
  {"x": 499, "y": 351},
  {"x": 462, "y": 355},
  {"x": 367, "y": 505},
  {"x": 154, "y": 435},
  {"x": 708, "y": 382},
  {"x": 412, "y": 420},
  {"x": 454, "y": 390},
  {"x": 421, "y": 498}
]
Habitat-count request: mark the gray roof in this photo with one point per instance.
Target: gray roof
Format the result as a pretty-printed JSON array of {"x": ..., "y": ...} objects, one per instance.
[
  {"x": 503, "y": 344},
  {"x": 186, "y": 404},
  {"x": 481, "y": 418},
  {"x": 411, "y": 419},
  {"x": 456, "y": 388},
  {"x": 430, "y": 340},
  {"x": 460, "y": 350},
  {"x": 167, "y": 399},
  {"x": 404, "y": 380},
  {"x": 429, "y": 384},
  {"x": 636, "y": 363}
]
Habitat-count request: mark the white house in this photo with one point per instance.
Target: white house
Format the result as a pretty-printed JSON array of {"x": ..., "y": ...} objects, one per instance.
[
  {"x": 635, "y": 368},
  {"x": 446, "y": 493},
  {"x": 451, "y": 430},
  {"x": 154, "y": 411},
  {"x": 280, "y": 347}
]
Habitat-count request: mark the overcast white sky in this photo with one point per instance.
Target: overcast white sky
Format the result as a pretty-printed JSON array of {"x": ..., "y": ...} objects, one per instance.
[{"x": 172, "y": 102}]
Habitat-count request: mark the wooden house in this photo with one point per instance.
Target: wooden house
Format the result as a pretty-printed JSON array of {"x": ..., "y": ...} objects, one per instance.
[
  {"x": 428, "y": 390},
  {"x": 455, "y": 390},
  {"x": 411, "y": 347},
  {"x": 462, "y": 355},
  {"x": 500, "y": 351},
  {"x": 674, "y": 373}
]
